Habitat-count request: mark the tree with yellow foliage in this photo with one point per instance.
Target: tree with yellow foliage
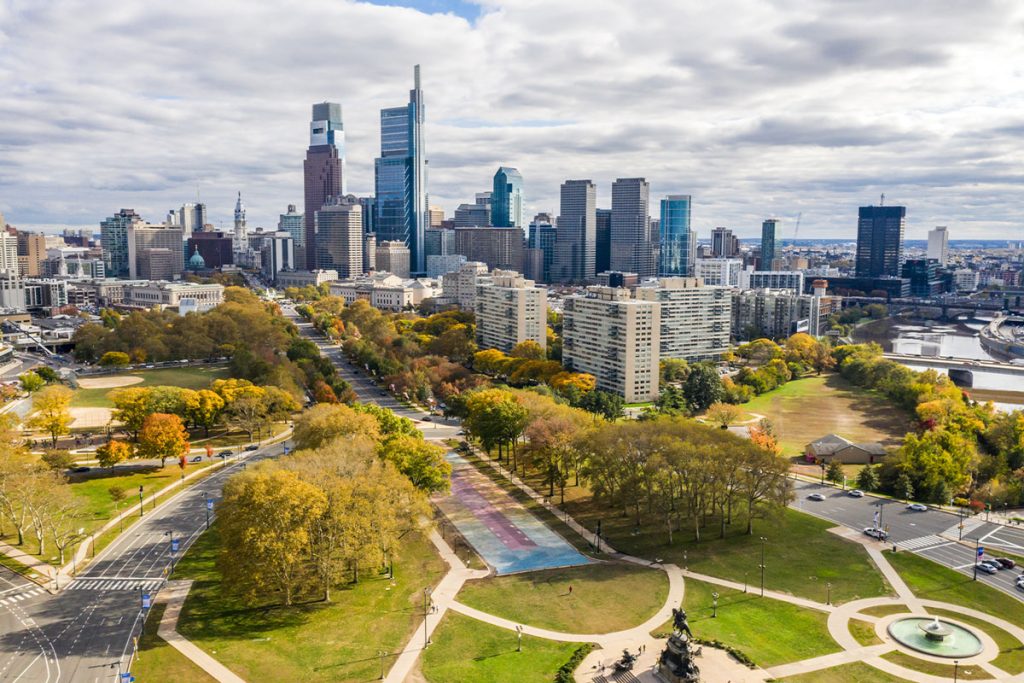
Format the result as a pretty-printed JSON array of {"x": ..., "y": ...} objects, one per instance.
[{"x": 52, "y": 414}]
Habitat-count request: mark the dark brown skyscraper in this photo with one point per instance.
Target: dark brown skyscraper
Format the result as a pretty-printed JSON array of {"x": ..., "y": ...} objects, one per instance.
[{"x": 323, "y": 168}]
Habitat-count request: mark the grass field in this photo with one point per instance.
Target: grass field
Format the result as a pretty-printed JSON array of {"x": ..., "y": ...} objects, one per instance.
[
  {"x": 864, "y": 632},
  {"x": 885, "y": 610},
  {"x": 468, "y": 651},
  {"x": 605, "y": 597},
  {"x": 187, "y": 377},
  {"x": 1011, "y": 650},
  {"x": 770, "y": 632},
  {"x": 155, "y": 660},
  {"x": 313, "y": 641},
  {"x": 806, "y": 409},
  {"x": 858, "y": 672},
  {"x": 964, "y": 672}
]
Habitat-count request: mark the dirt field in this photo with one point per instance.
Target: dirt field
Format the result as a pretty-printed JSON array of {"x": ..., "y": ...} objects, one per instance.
[
  {"x": 113, "y": 382},
  {"x": 89, "y": 418}
]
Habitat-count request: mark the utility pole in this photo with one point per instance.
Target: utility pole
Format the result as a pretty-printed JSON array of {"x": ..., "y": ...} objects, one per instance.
[
  {"x": 426, "y": 606},
  {"x": 763, "y": 541}
]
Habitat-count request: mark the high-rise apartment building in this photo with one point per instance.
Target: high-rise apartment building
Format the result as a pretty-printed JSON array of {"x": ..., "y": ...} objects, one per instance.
[
  {"x": 771, "y": 244},
  {"x": 8, "y": 253},
  {"x": 241, "y": 232},
  {"x": 777, "y": 314},
  {"x": 678, "y": 240},
  {"x": 339, "y": 236},
  {"x": 277, "y": 254},
  {"x": 114, "y": 240},
  {"x": 631, "y": 248},
  {"x": 142, "y": 238},
  {"x": 603, "y": 241},
  {"x": 694, "y": 318},
  {"x": 507, "y": 209},
  {"x": 724, "y": 243},
  {"x": 323, "y": 169},
  {"x": 460, "y": 285},
  {"x": 720, "y": 272},
  {"x": 576, "y": 235},
  {"x": 394, "y": 257},
  {"x": 880, "y": 240},
  {"x": 938, "y": 245},
  {"x": 510, "y": 309},
  {"x": 294, "y": 223},
  {"x": 500, "y": 248},
  {"x": 615, "y": 338},
  {"x": 31, "y": 253},
  {"x": 400, "y": 176}
]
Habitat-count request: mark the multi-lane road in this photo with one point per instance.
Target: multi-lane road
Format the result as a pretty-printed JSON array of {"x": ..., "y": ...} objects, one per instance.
[
  {"x": 934, "y": 534},
  {"x": 84, "y": 632}
]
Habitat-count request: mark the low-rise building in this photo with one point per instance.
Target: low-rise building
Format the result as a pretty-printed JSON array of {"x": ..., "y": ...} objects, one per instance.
[
  {"x": 965, "y": 280},
  {"x": 615, "y": 338},
  {"x": 777, "y": 314},
  {"x": 190, "y": 295},
  {"x": 510, "y": 309},
  {"x": 386, "y": 291},
  {"x": 305, "y": 278},
  {"x": 771, "y": 279},
  {"x": 834, "y": 447}
]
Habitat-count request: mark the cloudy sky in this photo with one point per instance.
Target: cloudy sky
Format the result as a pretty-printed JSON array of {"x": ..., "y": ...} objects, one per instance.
[{"x": 755, "y": 107}]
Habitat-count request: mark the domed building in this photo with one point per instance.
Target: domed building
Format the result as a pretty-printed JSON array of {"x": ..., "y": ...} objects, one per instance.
[{"x": 196, "y": 263}]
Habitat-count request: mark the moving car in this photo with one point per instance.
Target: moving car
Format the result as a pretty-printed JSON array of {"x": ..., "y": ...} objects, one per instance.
[
  {"x": 816, "y": 496},
  {"x": 987, "y": 568},
  {"x": 82, "y": 469},
  {"x": 426, "y": 419},
  {"x": 855, "y": 493},
  {"x": 252, "y": 447},
  {"x": 198, "y": 458},
  {"x": 918, "y": 507},
  {"x": 224, "y": 454},
  {"x": 873, "y": 532}
]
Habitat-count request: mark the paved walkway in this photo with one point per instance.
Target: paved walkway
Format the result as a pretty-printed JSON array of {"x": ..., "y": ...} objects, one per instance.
[
  {"x": 174, "y": 594},
  {"x": 45, "y": 569}
]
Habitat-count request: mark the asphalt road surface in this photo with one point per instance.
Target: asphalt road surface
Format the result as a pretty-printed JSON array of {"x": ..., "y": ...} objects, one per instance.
[
  {"x": 934, "y": 534},
  {"x": 84, "y": 633}
]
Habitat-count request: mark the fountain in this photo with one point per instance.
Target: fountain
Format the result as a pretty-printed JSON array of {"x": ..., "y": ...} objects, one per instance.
[{"x": 935, "y": 637}]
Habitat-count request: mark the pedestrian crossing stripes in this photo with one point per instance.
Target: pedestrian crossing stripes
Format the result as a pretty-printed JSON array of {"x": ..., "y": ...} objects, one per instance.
[
  {"x": 18, "y": 597},
  {"x": 969, "y": 526},
  {"x": 86, "y": 584},
  {"x": 921, "y": 542}
]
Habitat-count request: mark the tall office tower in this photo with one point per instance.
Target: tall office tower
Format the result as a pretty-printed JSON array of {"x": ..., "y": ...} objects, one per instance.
[
  {"x": 8, "y": 254},
  {"x": 576, "y": 235},
  {"x": 394, "y": 257},
  {"x": 143, "y": 239},
  {"x": 723, "y": 243},
  {"x": 192, "y": 217},
  {"x": 370, "y": 251},
  {"x": 507, "y": 210},
  {"x": 294, "y": 223},
  {"x": 400, "y": 177},
  {"x": 323, "y": 169},
  {"x": 339, "y": 236},
  {"x": 173, "y": 218},
  {"x": 241, "y": 234},
  {"x": 603, "y": 241},
  {"x": 114, "y": 240},
  {"x": 369, "y": 205},
  {"x": 31, "y": 253},
  {"x": 439, "y": 242},
  {"x": 435, "y": 214},
  {"x": 771, "y": 244},
  {"x": 938, "y": 245},
  {"x": 542, "y": 239},
  {"x": 476, "y": 215},
  {"x": 497, "y": 247},
  {"x": 678, "y": 240},
  {"x": 880, "y": 240},
  {"x": 631, "y": 248},
  {"x": 510, "y": 309}
]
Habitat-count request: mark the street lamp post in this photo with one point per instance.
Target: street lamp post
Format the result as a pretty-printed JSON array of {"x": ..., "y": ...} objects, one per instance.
[
  {"x": 956, "y": 669},
  {"x": 381, "y": 653},
  {"x": 141, "y": 500},
  {"x": 761, "y": 566},
  {"x": 686, "y": 566},
  {"x": 519, "y": 636},
  {"x": 426, "y": 605},
  {"x": 828, "y": 593},
  {"x": 714, "y": 605}
]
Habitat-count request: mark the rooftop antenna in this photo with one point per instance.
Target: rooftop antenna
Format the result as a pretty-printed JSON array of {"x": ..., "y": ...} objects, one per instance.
[{"x": 883, "y": 200}]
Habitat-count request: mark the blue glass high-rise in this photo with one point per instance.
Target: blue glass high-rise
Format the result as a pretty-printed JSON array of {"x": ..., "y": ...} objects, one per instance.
[
  {"x": 507, "y": 199},
  {"x": 400, "y": 177},
  {"x": 678, "y": 241}
]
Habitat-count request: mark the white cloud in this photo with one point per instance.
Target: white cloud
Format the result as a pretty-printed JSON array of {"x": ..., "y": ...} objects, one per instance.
[{"x": 756, "y": 108}]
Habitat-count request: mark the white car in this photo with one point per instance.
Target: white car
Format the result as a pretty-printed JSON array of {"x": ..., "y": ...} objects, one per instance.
[
  {"x": 987, "y": 568},
  {"x": 816, "y": 496},
  {"x": 855, "y": 493},
  {"x": 917, "y": 507}
]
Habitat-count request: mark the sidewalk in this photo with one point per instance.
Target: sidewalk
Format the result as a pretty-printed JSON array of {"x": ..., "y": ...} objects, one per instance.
[
  {"x": 174, "y": 593},
  {"x": 43, "y": 568}
]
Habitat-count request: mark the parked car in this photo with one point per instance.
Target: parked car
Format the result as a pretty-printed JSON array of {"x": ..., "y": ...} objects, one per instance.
[
  {"x": 82, "y": 469},
  {"x": 1020, "y": 586},
  {"x": 987, "y": 568},
  {"x": 426, "y": 419},
  {"x": 252, "y": 447},
  {"x": 816, "y": 496},
  {"x": 917, "y": 507},
  {"x": 197, "y": 458},
  {"x": 225, "y": 454},
  {"x": 992, "y": 563},
  {"x": 874, "y": 532},
  {"x": 1006, "y": 562},
  {"x": 855, "y": 493}
]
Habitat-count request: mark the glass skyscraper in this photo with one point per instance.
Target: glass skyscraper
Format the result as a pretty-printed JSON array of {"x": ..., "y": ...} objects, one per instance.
[
  {"x": 678, "y": 241},
  {"x": 771, "y": 247},
  {"x": 507, "y": 199},
  {"x": 323, "y": 169},
  {"x": 880, "y": 240},
  {"x": 400, "y": 177}
]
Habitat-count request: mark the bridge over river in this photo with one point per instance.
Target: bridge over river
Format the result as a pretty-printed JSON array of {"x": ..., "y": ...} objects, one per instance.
[{"x": 963, "y": 371}]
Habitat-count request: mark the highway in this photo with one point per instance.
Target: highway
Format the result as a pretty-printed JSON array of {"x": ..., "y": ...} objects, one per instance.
[
  {"x": 934, "y": 534},
  {"x": 84, "y": 633}
]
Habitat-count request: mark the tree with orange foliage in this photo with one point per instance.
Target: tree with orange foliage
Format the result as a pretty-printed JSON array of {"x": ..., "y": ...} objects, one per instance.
[{"x": 163, "y": 436}]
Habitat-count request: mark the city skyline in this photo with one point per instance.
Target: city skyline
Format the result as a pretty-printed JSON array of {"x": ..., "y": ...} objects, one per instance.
[{"x": 918, "y": 127}]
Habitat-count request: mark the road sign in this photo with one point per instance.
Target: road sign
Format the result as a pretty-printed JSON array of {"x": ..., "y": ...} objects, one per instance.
[
  {"x": 174, "y": 545},
  {"x": 126, "y": 677},
  {"x": 147, "y": 601},
  {"x": 981, "y": 550},
  {"x": 209, "y": 503}
]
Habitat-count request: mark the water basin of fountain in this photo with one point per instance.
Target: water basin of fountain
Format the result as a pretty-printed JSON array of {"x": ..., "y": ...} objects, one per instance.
[{"x": 935, "y": 637}]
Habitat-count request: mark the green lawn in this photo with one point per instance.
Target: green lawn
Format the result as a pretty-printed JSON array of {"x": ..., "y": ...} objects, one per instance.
[
  {"x": 186, "y": 377},
  {"x": 964, "y": 672},
  {"x": 864, "y": 632},
  {"x": 605, "y": 597},
  {"x": 468, "y": 651},
  {"x": 885, "y": 610},
  {"x": 858, "y": 672},
  {"x": 314, "y": 641},
  {"x": 770, "y": 632},
  {"x": 1011, "y": 650},
  {"x": 157, "y": 661},
  {"x": 808, "y": 408}
]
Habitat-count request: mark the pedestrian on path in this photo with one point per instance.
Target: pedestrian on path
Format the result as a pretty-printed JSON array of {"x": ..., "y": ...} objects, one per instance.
[{"x": 570, "y": 589}]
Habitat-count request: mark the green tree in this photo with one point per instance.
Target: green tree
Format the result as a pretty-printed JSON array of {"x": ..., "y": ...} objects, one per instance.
[
  {"x": 114, "y": 359},
  {"x": 52, "y": 414},
  {"x": 673, "y": 370},
  {"x": 31, "y": 382},
  {"x": 703, "y": 387},
  {"x": 904, "y": 486},
  {"x": 603, "y": 403},
  {"x": 497, "y": 418},
  {"x": 131, "y": 408},
  {"x": 58, "y": 460},
  {"x": 324, "y": 423},
  {"x": 422, "y": 462},
  {"x": 867, "y": 478},
  {"x": 834, "y": 473}
]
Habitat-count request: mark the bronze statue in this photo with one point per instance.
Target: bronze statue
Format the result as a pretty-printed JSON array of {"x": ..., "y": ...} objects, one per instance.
[{"x": 680, "y": 623}]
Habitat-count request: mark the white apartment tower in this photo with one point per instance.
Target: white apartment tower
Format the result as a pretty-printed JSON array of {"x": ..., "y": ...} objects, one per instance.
[
  {"x": 615, "y": 338},
  {"x": 510, "y": 309},
  {"x": 938, "y": 244},
  {"x": 695, "y": 319},
  {"x": 460, "y": 285}
]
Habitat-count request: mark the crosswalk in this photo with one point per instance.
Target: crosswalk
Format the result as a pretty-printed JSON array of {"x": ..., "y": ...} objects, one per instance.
[
  {"x": 10, "y": 599},
  {"x": 970, "y": 524},
  {"x": 114, "y": 584},
  {"x": 921, "y": 542}
]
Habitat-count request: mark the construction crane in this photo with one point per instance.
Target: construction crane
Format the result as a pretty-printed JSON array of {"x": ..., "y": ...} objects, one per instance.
[{"x": 796, "y": 230}]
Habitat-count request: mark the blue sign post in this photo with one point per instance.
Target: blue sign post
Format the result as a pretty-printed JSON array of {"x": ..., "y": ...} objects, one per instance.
[
  {"x": 174, "y": 545},
  {"x": 126, "y": 677},
  {"x": 209, "y": 506},
  {"x": 147, "y": 601}
]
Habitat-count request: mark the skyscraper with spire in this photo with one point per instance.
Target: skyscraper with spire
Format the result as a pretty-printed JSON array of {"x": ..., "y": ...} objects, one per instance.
[
  {"x": 241, "y": 235},
  {"x": 400, "y": 177},
  {"x": 323, "y": 169}
]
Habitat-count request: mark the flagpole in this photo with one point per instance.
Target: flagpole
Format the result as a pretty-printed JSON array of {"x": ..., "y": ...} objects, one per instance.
[{"x": 977, "y": 543}]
